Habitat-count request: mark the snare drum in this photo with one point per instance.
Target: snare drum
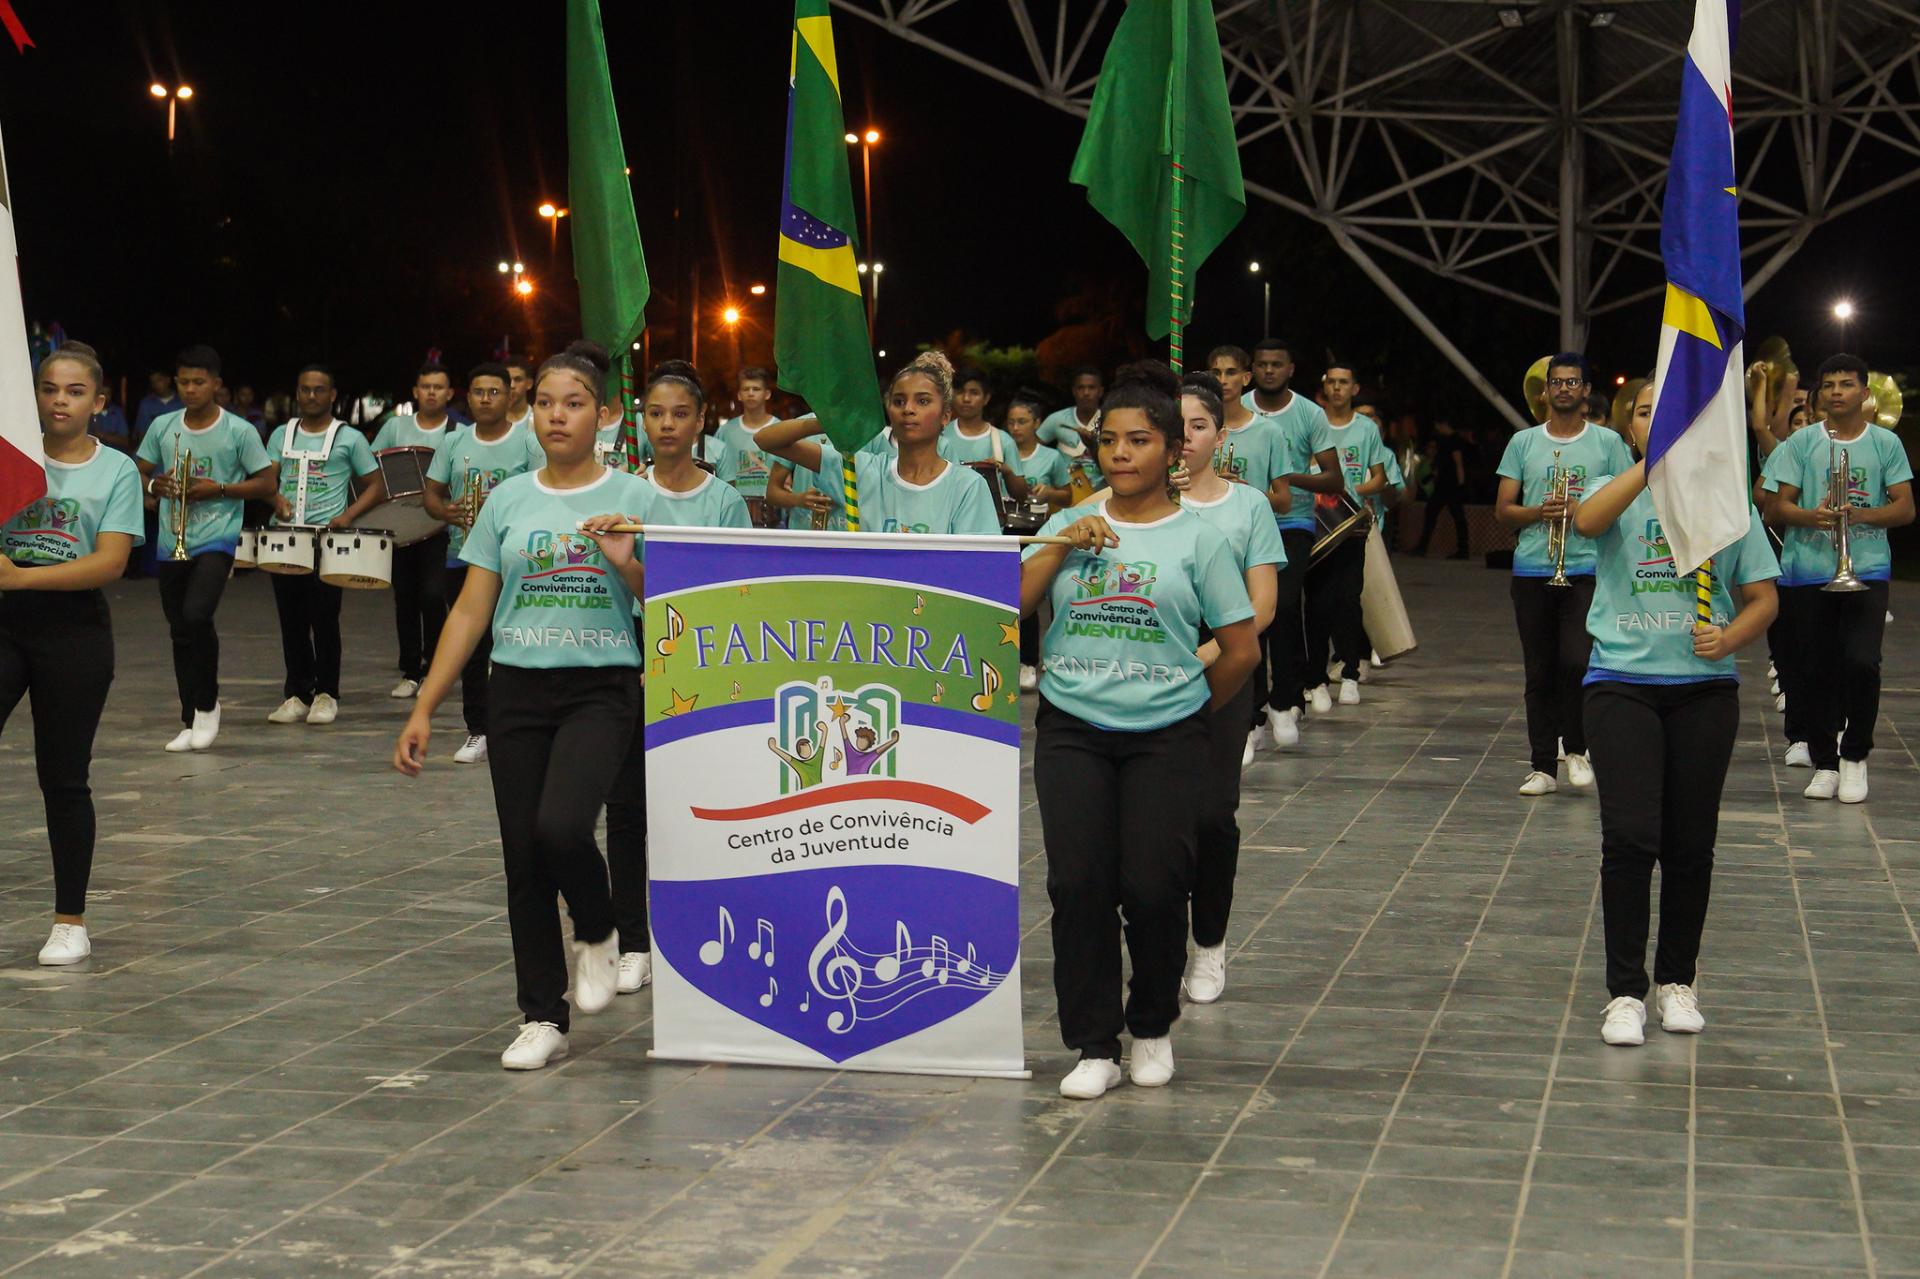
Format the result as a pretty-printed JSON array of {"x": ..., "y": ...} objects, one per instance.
[
  {"x": 357, "y": 558},
  {"x": 246, "y": 548},
  {"x": 1336, "y": 517},
  {"x": 764, "y": 514},
  {"x": 996, "y": 488},
  {"x": 288, "y": 549},
  {"x": 404, "y": 513}
]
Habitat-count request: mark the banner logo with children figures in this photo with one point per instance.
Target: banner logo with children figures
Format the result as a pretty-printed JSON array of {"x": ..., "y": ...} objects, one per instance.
[{"x": 833, "y": 799}]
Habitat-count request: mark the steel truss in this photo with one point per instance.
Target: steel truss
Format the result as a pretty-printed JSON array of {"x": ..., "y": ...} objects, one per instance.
[{"x": 1517, "y": 148}]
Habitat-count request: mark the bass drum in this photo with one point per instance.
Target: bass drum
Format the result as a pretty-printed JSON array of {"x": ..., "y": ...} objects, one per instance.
[
  {"x": 1382, "y": 610},
  {"x": 404, "y": 513}
]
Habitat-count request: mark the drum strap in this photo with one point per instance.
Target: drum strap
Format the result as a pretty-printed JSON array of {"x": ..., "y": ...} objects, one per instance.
[{"x": 304, "y": 455}]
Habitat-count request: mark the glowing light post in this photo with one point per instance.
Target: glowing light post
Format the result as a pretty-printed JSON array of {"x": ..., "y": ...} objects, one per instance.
[
  {"x": 865, "y": 141},
  {"x": 173, "y": 97},
  {"x": 552, "y": 213},
  {"x": 1266, "y": 299}
]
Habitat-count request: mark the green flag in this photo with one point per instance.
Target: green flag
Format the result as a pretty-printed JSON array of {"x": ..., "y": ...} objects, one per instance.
[
  {"x": 607, "y": 260},
  {"x": 1158, "y": 157},
  {"x": 820, "y": 338}
]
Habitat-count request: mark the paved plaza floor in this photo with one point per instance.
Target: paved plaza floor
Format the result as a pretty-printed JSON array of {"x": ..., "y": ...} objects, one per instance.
[{"x": 282, "y": 1058}]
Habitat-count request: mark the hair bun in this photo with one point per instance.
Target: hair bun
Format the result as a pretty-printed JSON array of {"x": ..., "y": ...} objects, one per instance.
[
  {"x": 1205, "y": 381},
  {"x": 676, "y": 368},
  {"x": 593, "y": 353},
  {"x": 1149, "y": 373},
  {"x": 81, "y": 349}
]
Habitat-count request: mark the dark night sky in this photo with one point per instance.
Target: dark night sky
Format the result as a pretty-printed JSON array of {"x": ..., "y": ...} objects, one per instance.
[{"x": 342, "y": 190}]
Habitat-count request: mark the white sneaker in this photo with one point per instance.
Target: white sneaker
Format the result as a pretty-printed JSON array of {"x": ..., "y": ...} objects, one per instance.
[
  {"x": 206, "y": 727},
  {"x": 1799, "y": 755},
  {"x": 1853, "y": 781},
  {"x": 1825, "y": 784},
  {"x": 1775, "y": 689},
  {"x": 325, "y": 710},
  {"x": 181, "y": 741},
  {"x": 1366, "y": 669},
  {"x": 596, "y": 973},
  {"x": 636, "y": 971},
  {"x": 1625, "y": 1024},
  {"x": 1579, "y": 772},
  {"x": 1284, "y": 726},
  {"x": 291, "y": 711},
  {"x": 67, "y": 944},
  {"x": 1349, "y": 692},
  {"x": 1773, "y": 671},
  {"x": 404, "y": 689},
  {"x": 473, "y": 750},
  {"x": 1780, "y": 702},
  {"x": 1151, "y": 1064},
  {"x": 1029, "y": 678},
  {"x": 1320, "y": 701},
  {"x": 1539, "y": 783},
  {"x": 1253, "y": 744},
  {"x": 538, "y": 1043},
  {"x": 1091, "y": 1078},
  {"x": 1679, "y": 1009},
  {"x": 1206, "y": 978},
  {"x": 1559, "y": 750}
]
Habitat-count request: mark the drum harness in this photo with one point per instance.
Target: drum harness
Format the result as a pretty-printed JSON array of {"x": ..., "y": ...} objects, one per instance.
[{"x": 305, "y": 455}]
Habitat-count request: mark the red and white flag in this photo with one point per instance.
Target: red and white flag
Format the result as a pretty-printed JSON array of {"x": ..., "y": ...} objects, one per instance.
[{"x": 23, "y": 464}]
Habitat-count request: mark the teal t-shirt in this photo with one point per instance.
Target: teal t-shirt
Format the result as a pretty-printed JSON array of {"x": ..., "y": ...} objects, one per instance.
[
  {"x": 750, "y": 463},
  {"x": 403, "y": 431},
  {"x": 1121, "y": 653},
  {"x": 464, "y": 456},
  {"x": 1360, "y": 448},
  {"x": 561, "y": 604},
  {"x": 712, "y": 503},
  {"x": 1061, "y": 430},
  {"x": 956, "y": 501},
  {"x": 329, "y": 479},
  {"x": 1528, "y": 461},
  {"x": 1245, "y": 519},
  {"x": 84, "y": 500},
  {"x": 1642, "y": 616},
  {"x": 1398, "y": 482},
  {"x": 226, "y": 452},
  {"x": 1301, "y": 433},
  {"x": 956, "y": 447},
  {"x": 605, "y": 447},
  {"x": 1876, "y": 460},
  {"x": 1042, "y": 466},
  {"x": 805, "y": 481}
]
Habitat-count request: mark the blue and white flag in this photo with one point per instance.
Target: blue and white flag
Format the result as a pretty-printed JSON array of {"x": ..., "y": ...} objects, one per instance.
[{"x": 1697, "y": 447}]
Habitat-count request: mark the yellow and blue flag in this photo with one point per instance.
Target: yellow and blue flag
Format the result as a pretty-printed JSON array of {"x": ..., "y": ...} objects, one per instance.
[{"x": 1697, "y": 446}]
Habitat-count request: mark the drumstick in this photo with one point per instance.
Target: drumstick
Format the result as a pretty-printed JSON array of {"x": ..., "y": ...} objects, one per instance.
[{"x": 1024, "y": 541}]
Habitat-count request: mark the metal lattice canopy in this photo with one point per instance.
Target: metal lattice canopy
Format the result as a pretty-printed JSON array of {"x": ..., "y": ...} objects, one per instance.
[{"x": 1517, "y": 147}]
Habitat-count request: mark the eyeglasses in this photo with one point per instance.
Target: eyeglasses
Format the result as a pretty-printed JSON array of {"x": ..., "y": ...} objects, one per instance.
[
  {"x": 488, "y": 394},
  {"x": 1565, "y": 383}
]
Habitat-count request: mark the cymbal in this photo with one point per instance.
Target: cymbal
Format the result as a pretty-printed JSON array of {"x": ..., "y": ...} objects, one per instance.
[
  {"x": 1884, "y": 400},
  {"x": 1533, "y": 388}
]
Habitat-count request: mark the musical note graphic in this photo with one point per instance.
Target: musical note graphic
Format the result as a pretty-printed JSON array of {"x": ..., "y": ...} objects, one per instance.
[
  {"x": 874, "y": 986},
  {"x": 659, "y": 666},
  {"x": 806, "y": 1000},
  {"x": 676, "y": 627},
  {"x": 888, "y": 967},
  {"x": 937, "y": 965},
  {"x": 755, "y": 950},
  {"x": 712, "y": 952},
  {"x": 773, "y": 988},
  {"x": 966, "y": 965},
  {"x": 939, "y": 691},
  {"x": 837, "y": 757},
  {"x": 832, "y": 973},
  {"x": 735, "y": 696},
  {"x": 989, "y": 684},
  {"x": 919, "y": 605}
]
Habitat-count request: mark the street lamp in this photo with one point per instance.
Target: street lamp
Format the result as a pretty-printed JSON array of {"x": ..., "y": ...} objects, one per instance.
[
  {"x": 872, "y": 270},
  {"x": 866, "y": 142},
  {"x": 1843, "y": 311},
  {"x": 757, "y": 290},
  {"x": 731, "y": 316},
  {"x": 1266, "y": 299},
  {"x": 552, "y": 213},
  {"x": 172, "y": 97},
  {"x": 523, "y": 286}
]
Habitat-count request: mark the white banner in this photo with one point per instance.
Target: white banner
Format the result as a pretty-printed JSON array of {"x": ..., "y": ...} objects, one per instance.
[{"x": 833, "y": 759}]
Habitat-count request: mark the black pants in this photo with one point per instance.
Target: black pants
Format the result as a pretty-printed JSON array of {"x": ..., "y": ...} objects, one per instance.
[
  {"x": 627, "y": 845},
  {"x": 1660, "y": 755},
  {"x": 1276, "y": 681},
  {"x": 1783, "y": 646},
  {"x": 309, "y": 634},
  {"x": 1333, "y": 613},
  {"x": 557, "y": 738},
  {"x": 1455, "y": 504},
  {"x": 58, "y": 646},
  {"x": 1838, "y": 668},
  {"x": 1030, "y": 640},
  {"x": 190, "y": 592},
  {"x": 419, "y": 602},
  {"x": 1217, "y": 838},
  {"x": 1117, "y": 845},
  {"x": 1554, "y": 646},
  {"x": 473, "y": 676}
]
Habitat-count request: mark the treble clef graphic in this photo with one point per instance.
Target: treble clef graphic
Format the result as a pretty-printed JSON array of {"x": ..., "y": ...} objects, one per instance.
[{"x": 832, "y": 973}]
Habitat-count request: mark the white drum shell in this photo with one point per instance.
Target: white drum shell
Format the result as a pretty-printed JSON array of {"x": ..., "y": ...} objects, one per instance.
[
  {"x": 288, "y": 549},
  {"x": 358, "y": 559}
]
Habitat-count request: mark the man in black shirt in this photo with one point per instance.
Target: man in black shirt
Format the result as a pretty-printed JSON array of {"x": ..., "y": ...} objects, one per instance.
[{"x": 1449, "y": 488}]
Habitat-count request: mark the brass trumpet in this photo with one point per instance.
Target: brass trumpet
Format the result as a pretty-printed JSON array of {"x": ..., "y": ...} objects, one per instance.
[
  {"x": 1223, "y": 462},
  {"x": 181, "y": 476},
  {"x": 1559, "y": 525},
  {"x": 1839, "y": 478},
  {"x": 471, "y": 499}
]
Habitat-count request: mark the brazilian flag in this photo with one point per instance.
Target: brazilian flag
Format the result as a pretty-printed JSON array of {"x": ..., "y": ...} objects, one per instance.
[{"x": 820, "y": 323}]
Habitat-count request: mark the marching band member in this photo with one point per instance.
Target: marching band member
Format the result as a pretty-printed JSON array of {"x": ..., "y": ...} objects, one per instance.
[
  {"x": 1244, "y": 518},
  {"x": 419, "y": 570},
  {"x": 1835, "y": 660},
  {"x": 1333, "y": 590},
  {"x": 739, "y": 433},
  {"x": 319, "y": 458},
  {"x": 1552, "y": 620},
  {"x": 558, "y": 596},
  {"x": 1123, "y": 727},
  {"x": 469, "y": 464},
  {"x": 1071, "y": 430},
  {"x": 229, "y": 466},
  {"x": 1662, "y": 710},
  {"x": 56, "y": 636},
  {"x": 970, "y": 438},
  {"x": 675, "y": 491},
  {"x": 913, "y": 490},
  {"x": 1045, "y": 470},
  {"x": 797, "y": 490}
]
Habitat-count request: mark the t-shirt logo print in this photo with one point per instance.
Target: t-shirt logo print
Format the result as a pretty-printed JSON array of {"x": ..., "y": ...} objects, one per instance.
[
  {"x": 1107, "y": 579},
  {"x": 549, "y": 552},
  {"x": 1655, "y": 542}
]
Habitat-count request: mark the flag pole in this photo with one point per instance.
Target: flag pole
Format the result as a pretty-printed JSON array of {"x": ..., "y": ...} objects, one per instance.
[
  {"x": 1703, "y": 593},
  {"x": 1176, "y": 275}
]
